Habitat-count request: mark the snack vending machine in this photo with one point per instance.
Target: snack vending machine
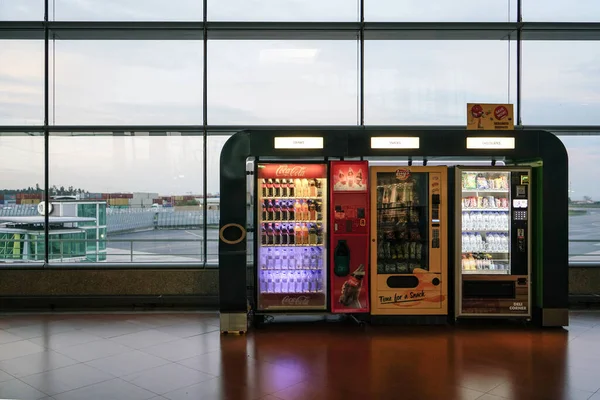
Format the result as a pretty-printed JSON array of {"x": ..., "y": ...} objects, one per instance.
[
  {"x": 493, "y": 233},
  {"x": 409, "y": 241},
  {"x": 292, "y": 224},
  {"x": 349, "y": 259}
]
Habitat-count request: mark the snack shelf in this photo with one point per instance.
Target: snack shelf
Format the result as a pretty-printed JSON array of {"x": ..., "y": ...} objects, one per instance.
[
  {"x": 485, "y": 190},
  {"x": 486, "y": 272}
]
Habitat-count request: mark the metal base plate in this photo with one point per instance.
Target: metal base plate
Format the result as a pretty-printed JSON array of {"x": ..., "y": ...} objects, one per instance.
[
  {"x": 234, "y": 323},
  {"x": 555, "y": 317}
]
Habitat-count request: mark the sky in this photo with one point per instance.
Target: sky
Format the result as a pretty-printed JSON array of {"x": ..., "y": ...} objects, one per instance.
[{"x": 275, "y": 82}]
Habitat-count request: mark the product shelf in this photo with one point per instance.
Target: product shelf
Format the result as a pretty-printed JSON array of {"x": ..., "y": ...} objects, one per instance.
[
  {"x": 485, "y": 190},
  {"x": 484, "y": 230},
  {"x": 289, "y": 221},
  {"x": 486, "y": 272},
  {"x": 485, "y": 209},
  {"x": 291, "y": 269},
  {"x": 292, "y": 245},
  {"x": 294, "y": 292},
  {"x": 292, "y": 198}
]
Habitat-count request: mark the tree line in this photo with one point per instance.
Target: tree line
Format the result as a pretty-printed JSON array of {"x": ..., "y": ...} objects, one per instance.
[{"x": 54, "y": 190}]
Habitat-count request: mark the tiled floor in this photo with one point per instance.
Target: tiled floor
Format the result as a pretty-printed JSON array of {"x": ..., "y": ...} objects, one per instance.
[{"x": 183, "y": 356}]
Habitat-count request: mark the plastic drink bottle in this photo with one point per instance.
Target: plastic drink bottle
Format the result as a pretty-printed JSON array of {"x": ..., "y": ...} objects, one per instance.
[{"x": 341, "y": 259}]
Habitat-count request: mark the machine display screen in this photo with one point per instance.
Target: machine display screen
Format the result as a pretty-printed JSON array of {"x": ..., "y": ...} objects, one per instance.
[{"x": 519, "y": 203}]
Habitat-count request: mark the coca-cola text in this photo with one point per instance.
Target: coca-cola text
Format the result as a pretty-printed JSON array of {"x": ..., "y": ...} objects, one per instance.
[
  {"x": 286, "y": 170},
  {"x": 295, "y": 301}
]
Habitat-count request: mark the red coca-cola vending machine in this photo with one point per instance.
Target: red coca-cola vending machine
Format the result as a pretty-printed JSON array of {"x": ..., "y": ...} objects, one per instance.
[
  {"x": 292, "y": 227},
  {"x": 349, "y": 245}
]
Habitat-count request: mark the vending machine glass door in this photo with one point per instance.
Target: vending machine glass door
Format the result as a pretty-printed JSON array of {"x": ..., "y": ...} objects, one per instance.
[
  {"x": 292, "y": 226},
  {"x": 485, "y": 221},
  {"x": 402, "y": 222}
]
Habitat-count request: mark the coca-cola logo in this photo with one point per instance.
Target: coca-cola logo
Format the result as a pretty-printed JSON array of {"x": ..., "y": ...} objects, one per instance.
[
  {"x": 295, "y": 301},
  {"x": 286, "y": 170}
]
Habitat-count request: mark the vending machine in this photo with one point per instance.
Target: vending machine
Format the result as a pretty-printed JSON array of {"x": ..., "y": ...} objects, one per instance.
[
  {"x": 409, "y": 240},
  {"x": 493, "y": 252},
  {"x": 349, "y": 248},
  {"x": 292, "y": 235}
]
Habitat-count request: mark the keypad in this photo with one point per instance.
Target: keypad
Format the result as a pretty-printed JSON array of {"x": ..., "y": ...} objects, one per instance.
[
  {"x": 520, "y": 215},
  {"x": 435, "y": 240}
]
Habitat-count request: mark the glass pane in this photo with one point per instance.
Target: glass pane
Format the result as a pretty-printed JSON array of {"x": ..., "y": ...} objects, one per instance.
[
  {"x": 283, "y": 82},
  {"x": 127, "y": 82},
  {"x": 560, "y": 90},
  {"x": 21, "y": 189},
  {"x": 22, "y": 82},
  {"x": 402, "y": 223},
  {"x": 584, "y": 197},
  {"x": 485, "y": 222},
  {"x": 125, "y": 10},
  {"x": 21, "y": 10},
  {"x": 441, "y": 10},
  {"x": 143, "y": 194},
  {"x": 283, "y": 10},
  {"x": 561, "y": 11},
  {"x": 431, "y": 82}
]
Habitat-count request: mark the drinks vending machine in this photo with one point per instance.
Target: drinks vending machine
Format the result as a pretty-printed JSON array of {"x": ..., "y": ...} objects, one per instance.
[
  {"x": 493, "y": 261},
  {"x": 292, "y": 221},
  {"x": 409, "y": 241}
]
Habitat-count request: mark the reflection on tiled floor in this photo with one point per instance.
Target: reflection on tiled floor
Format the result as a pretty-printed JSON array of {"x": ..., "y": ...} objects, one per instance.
[{"x": 183, "y": 356}]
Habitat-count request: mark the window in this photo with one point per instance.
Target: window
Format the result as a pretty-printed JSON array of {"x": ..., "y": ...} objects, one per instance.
[
  {"x": 563, "y": 11},
  {"x": 430, "y": 82},
  {"x": 21, "y": 81},
  {"x": 127, "y": 82},
  {"x": 561, "y": 90},
  {"x": 21, "y": 10},
  {"x": 283, "y": 10},
  {"x": 21, "y": 189},
  {"x": 283, "y": 82},
  {"x": 138, "y": 196},
  {"x": 440, "y": 10},
  {"x": 125, "y": 10},
  {"x": 584, "y": 196}
]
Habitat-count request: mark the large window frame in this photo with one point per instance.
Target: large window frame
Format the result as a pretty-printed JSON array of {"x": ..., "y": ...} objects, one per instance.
[{"x": 516, "y": 30}]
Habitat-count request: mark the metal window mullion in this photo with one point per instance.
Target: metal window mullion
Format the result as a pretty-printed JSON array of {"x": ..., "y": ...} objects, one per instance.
[
  {"x": 362, "y": 62},
  {"x": 519, "y": 59},
  {"x": 205, "y": 131},
  {"x": 46, "y": 135}
]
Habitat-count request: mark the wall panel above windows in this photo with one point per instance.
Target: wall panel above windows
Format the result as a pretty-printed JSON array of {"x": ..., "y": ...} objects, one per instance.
[
  {"x": 125, "y": 10},
  {"x": 21, "y": 82},
  {"x": 431, "y": 82},
  {"x": 276, "y": 82},
  {"x": 561, "y": 83},
  {"x": 441, "y": 11},
  {"x": 561, "y": 11},
  {"x": 284, "y": 10},
  {"x": 126, "y": 82}
]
